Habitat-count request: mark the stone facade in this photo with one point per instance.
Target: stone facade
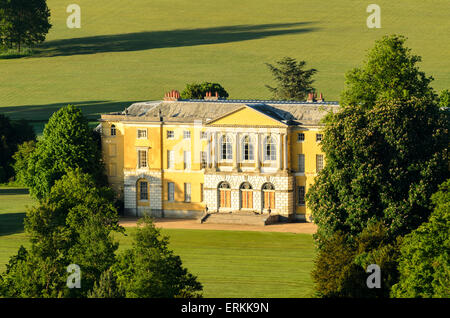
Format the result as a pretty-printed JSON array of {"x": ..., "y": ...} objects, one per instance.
[{"x": 154, "y": 205}]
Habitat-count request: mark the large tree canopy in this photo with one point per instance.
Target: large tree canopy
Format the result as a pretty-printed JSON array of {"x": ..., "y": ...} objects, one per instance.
[
  {"x": 23, "y": 22},
  {"x": 199, "y": 90},
  {"x": 67, "y": 143}
]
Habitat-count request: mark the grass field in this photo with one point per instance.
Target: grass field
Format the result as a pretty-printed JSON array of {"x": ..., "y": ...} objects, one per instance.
[
  {"x": 228, "y": 263},
  {"x": 136, "y": 50}
]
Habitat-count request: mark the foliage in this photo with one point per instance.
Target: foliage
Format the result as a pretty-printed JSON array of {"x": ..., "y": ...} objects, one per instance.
[
  {"x": 444, "y": 98},
  {"x": 12, "y": 134},
  {"x": 386, "y": 148},
  {"x": 21, "y": 158},
  {"x": 67, "y": 143},
  {"x": 340, "y": 266},
  {"x": 199, "y": 90},
  {"x": 107, "y": 287},
  {"x": 71, "y": 226},
  {"x": 151, "y": 270},
  {"x": 23, "y": 22},
  {"x": 425, "y": 253},
  {"x": 294, "y": 82},
  {"x": 390, "y": 72}
]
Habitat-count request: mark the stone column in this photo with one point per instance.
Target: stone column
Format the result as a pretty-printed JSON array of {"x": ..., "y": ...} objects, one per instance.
[
  {"x": 280, "y": 152},
  {"x": 236, "y": 152},
  {"x": 285, "y": 151},
  {"x": 257, "y": 151}
]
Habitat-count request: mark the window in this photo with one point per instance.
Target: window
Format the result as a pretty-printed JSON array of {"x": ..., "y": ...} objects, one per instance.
[
  {"x": 112, "y": 150},
  {"x": 170, "y": 134},
  {"x": 170, "y": 191},
  {"x": 142, "y": 133},
  {"x": 203, "y": 162},
  {"x": 246, "y": 196},
  {"x": 142, "y": 158},
  {"x": 300, "y": 137},
  {"x": 227, "y": 152},
  {"x": 270, "y": 149},
  {"x": 187, "y": 160},
  {"x": 301, "y": 163},
  {"x": 143, "y": 190},
  {"x": 170, "y": 159},
  {"x": 319, "y": 137},
  {"x": 187, "y": 192},
  {"x": 113, "y": 130},
  {"x": 112, "y": 170},
  {"x": 301, "y": 195},
  {"x": 247, "y": 151},
  {"x": 201, "y": 192},
  {"x": 186, "y": 134},
  {"x": 319, "y": 162},
  {"x": 203, "y": 135}
]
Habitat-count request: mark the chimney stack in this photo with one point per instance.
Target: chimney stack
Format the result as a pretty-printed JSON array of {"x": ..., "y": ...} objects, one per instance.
[
  {"x": 321, "y": 98},
  {"x": 209, "y": 96},
  {"x": 311, "y": 98},
  {"x": 173, "y": 95}
]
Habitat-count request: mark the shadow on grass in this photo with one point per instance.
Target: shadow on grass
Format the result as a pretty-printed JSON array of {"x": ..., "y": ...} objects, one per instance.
[
  {"x": 11, "y": 223},
  {"x": 13, "y": 191},
  {"x": 167, "y": 39},
  {"x": 91, "y": 109}
]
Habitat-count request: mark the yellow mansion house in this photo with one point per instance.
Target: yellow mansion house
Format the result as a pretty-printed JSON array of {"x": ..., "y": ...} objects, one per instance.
[{"x": 195, "y": 158}]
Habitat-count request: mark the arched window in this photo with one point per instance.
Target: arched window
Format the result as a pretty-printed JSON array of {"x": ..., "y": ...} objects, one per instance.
[
  {"x": 226, "y": 148},
  {"x": 224, "y": 195},
  {"x": 113, "y": 130},
  {"x": 247, "y": 149},
  {"x": 270, "y": 149},
  {"x": 268, "y": 196},
  {"x": 246, "y": 196}
]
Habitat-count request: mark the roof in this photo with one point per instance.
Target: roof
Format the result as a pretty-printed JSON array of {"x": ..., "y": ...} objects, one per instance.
[{"x": 188, "y": 111}]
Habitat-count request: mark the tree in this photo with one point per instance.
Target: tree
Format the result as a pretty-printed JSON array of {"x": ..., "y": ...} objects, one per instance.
[
  {"x": 383, "y": 162},
  {"x": 151, "y": 270},
  {"x": 294, "y": 82},
  {"x": 12, "y": 134},
  {"x": 444, "y": 99},
  {"x": 424, "y": 264},
  {"x": 23, "y": 22},
  {"x": 21, "y": 158},
  {"x": 73, "y": 225},
  {"x": 390, "y": 72},
  {"x": 199, "y": 90},
  {"x": 67, "y": 143}
]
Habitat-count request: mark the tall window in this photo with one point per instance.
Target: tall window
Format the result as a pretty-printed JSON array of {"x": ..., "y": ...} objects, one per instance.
[
  {"x": 170, "y": 134},
  {"x": 186, "y": 134},
  {"x": 247, "y": 151},
  {"x": 301, "y": 195},
  {"x": 270, "y": 149},
  {"x": 143, "y": 190},
  {"x": 112, "y": 150},
  {"x": 142, "y": 158},
  {"x": 187, "y": 160},
  {"x": 170, "y": 191},
  {"x": 203, "y": 135},
  {"x": 170, "y": 159},
  {"x": 202, "y": 159},
  {"x": 113, "y": 130},
  {"x": 226, "y": 148},
  {"x": 112, "y": 170},
  {"x": 187, "y": 192},
  {"x": 300, "y": 137},
  {"x": 246, "y": 196},
  {"x": 142, "y": 133},
  {"x": 319, "y": 162},
  {"x": 301, "y": 163},
  {"x": 224, "y": 195},
  {"x": 319, "y": 137},
  {"x": 268, "y": 196}
]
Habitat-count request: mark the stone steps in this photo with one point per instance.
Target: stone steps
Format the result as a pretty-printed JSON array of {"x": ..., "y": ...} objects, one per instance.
[{"x": 243, "y": 219}]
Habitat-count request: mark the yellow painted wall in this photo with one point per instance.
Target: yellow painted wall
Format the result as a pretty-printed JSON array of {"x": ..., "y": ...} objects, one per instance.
[{"x": 247, "y": 117}]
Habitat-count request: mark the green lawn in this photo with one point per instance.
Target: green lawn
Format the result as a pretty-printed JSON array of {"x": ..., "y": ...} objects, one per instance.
[
  {"x": 136, "y": 50},
  {"x": 228, "y": 263}
]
